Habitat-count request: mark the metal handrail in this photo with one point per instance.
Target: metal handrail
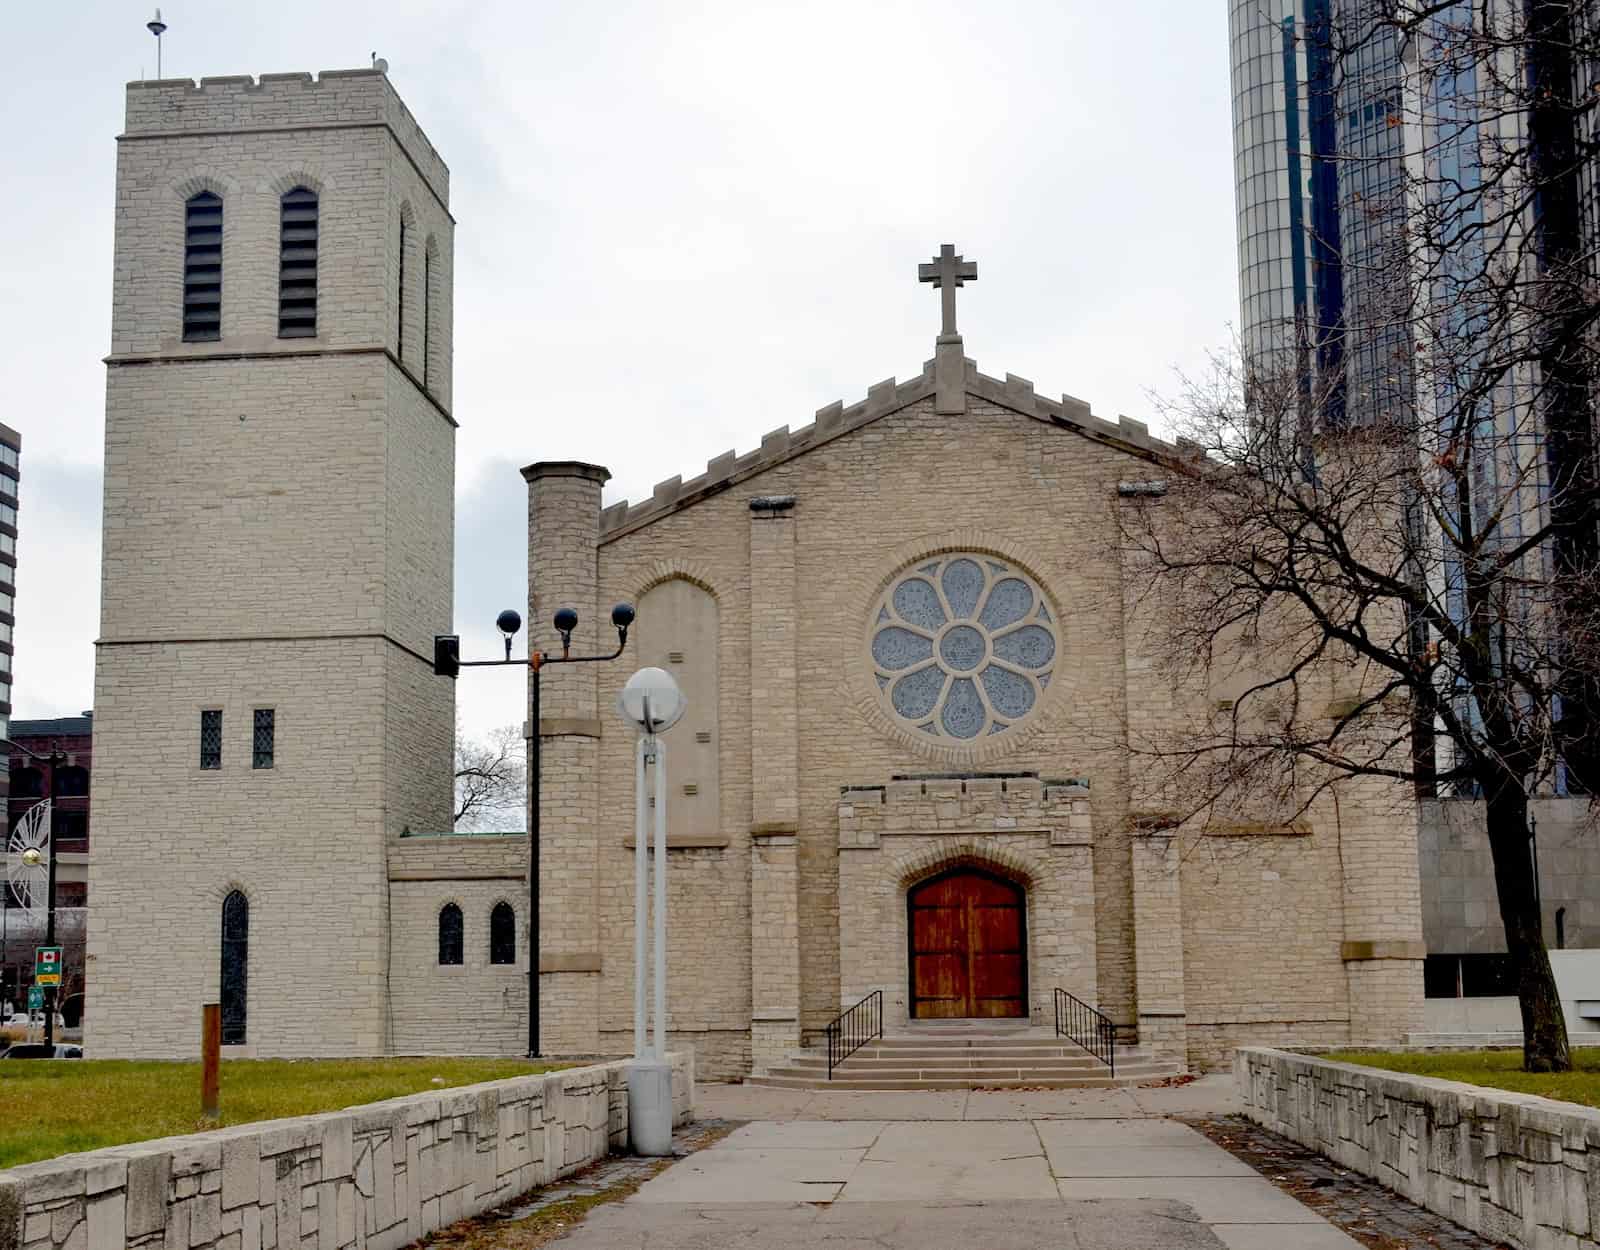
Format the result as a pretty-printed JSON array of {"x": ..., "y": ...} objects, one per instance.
[
  {"x": 853, "y": 1029},
  {"x": 1081, "y": 1023}
]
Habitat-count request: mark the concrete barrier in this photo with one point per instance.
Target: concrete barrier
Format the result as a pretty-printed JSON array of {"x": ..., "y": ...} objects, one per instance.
[
  {"x": 373, "y": 1177},
  {"x": 1513, "y": 1167}
]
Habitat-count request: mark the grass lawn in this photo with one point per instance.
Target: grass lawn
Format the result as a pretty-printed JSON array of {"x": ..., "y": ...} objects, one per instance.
[
  {"x": 1498, "y": 1069},
  {"x": 50, "y": 1107}
]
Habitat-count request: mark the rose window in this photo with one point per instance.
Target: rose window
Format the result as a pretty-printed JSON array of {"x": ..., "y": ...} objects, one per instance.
[{"x": 963, "y": 646}]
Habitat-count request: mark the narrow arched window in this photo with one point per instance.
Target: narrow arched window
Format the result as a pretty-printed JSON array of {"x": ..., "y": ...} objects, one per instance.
[
  {"x": 1561, "y": 928},
  {"x": 297, "y": 265},
  {"x": 502, "y": 934},
  {"x": 427, "y": 313},
  {"x": 202, "y": 268},
  {"x": 450, "y": 930},
  {"x": 235, "y": 967},
  {"x": 400, "y": 294}
]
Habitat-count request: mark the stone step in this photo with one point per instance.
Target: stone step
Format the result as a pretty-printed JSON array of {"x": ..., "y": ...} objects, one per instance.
[
  {"x": 841, "y": 1082},
  {"x": 985, "y": 1077},
  {"x": 986, "y": 1052},
  {"x": 952, "y": 1064}
]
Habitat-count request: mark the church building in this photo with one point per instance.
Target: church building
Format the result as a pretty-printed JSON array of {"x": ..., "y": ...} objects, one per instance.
[
  {"x": 909, "y": 637},
  {"x": 911, "y": 645}
]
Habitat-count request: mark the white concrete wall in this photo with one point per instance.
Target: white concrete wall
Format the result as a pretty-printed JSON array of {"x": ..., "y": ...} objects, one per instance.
[{"x": 374, "y": 1177}]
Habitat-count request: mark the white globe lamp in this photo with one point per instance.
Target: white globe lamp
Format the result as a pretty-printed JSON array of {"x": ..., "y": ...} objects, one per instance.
[{"x": 652, "y": 701}]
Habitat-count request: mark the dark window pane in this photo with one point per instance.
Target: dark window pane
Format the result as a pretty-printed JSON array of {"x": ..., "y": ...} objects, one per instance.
[
  {"x": 450, "y": 934},
  {"x": 235, "y": 966},
  {"x": 202, "y": 268},
  {"x": 262, "y": 742},
  {"x": 211, "y": 739},
  {"x": 71, "y": 782},
  {"x": 502, "y": 934}
]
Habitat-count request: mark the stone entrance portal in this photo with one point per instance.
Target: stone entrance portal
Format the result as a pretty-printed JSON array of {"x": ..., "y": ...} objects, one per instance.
[
  {"x": 968, "y": 947},
  {"x": 966, "y": 896}
]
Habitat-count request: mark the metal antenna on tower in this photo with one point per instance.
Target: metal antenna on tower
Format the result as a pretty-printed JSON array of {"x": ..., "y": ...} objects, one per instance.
[{"x": 157, "y": 28}]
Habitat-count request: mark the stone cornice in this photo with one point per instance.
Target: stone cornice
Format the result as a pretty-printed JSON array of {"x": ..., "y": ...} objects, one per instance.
[{"x": 887, "y": 397}]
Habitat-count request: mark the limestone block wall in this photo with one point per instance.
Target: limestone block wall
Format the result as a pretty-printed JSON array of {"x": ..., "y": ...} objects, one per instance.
[
  {"x": 867, "y": 504},
  {"x": 1516, "y": 1168},
  {"x": 1268, "y": 901},
  {"x": 304, "y": 841},
  {"x": 1035, "y": 834},
  {"x": 378, "y": 1176},
  {"x": 428, "y": 1001}
]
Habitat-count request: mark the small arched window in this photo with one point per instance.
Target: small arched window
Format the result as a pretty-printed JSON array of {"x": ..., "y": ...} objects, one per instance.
[
  {"x": 1561, "y": 928},
  {"x": 235, "y": 967},
  {"x": 202, "y": 268},
  {"x": 26, "y": 783},
  {"x": 450, "y": 932},
  {"x": 297, "y": 265},
  {"x": 502, "y": 934},
  {"x": 71, "y": 782}
]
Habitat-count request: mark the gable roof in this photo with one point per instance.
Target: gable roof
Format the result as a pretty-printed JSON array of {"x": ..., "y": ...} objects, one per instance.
[{"x": 884, "y": 399}]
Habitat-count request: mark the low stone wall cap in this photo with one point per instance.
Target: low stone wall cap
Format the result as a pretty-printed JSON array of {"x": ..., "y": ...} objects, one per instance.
[{"x": 566, "y": 468}]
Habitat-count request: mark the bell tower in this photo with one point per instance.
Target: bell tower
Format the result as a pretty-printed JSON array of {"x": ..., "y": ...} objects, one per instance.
[{"x": 279, "y": 482}]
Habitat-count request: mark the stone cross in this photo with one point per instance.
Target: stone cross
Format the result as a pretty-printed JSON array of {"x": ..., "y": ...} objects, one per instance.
[{"x": 947, "y": 271}]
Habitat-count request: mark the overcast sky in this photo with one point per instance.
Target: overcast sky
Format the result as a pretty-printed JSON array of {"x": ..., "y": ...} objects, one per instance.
[{"x": 681, "y": 224}]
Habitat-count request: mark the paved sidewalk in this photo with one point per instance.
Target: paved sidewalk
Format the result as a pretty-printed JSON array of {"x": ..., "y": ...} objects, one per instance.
[{"x": 1092, "y": 1170}]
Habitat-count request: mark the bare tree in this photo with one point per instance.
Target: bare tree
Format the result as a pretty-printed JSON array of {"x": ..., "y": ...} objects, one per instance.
[
  {"x": 491, "y": 780},
  {"x": 1382, "y": 542}
]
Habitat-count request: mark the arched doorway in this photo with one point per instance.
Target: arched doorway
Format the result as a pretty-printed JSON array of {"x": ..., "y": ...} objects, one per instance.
[{"x": 968, "y": 946}]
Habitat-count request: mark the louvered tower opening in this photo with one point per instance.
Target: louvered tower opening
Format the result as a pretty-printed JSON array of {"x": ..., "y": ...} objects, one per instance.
[
  {"x": 202, "y": 268},
  {"x": 297, "y": 266}
]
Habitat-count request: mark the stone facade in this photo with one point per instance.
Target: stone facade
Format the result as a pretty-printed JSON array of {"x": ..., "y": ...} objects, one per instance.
[
  {"x": 832, "y": 803},
  {"x": 278, "y": 534},
  {"x": 383, "y": 1175}
]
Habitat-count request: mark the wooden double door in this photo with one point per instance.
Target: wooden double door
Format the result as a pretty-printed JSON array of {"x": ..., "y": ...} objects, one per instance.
[{"x": 968, "y": 939}]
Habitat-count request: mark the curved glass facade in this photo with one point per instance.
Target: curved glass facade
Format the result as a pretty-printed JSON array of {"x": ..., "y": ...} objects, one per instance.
[{"x": 1270, "y": 188}]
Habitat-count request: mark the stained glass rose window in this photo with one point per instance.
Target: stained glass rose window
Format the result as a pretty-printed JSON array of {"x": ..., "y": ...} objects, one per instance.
[{"x": 963, "y": 646}]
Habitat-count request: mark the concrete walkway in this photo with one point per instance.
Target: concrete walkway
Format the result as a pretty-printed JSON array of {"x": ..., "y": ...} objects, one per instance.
[{"x": 1090, "y": 1170}]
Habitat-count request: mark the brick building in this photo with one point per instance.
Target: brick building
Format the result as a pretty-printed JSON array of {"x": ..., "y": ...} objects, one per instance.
[{"x": 69, "y": 787}]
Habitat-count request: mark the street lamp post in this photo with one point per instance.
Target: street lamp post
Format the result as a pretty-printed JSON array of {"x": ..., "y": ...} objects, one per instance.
[
  {"x": 54, "y": 760},
  {"x": 651, "y": 702},
  {"x": 447, "y": 662}
]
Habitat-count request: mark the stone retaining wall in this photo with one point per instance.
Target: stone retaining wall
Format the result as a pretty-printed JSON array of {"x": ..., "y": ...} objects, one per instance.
[
  {"x": 374, "y": 1177},
  {"x": 1513, "y": 1167}
]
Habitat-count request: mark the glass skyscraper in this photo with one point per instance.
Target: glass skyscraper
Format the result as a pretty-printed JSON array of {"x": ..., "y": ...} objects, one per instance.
[{"x": 1319, "y": 186}]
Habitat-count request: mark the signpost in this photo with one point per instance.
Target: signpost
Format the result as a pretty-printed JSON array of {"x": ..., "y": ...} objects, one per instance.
[
  {"x": 35, "y": 998},
  {"x": 47, "y": 965}
]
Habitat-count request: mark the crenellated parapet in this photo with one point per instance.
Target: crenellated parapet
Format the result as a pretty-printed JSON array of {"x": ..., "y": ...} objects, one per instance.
[
  {"x": 886, "y": 397},
  {"x": 243, "y": 104}
]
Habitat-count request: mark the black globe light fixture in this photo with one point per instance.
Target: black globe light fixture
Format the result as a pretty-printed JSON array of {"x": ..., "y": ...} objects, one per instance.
[{"x": 447, "y": 662}]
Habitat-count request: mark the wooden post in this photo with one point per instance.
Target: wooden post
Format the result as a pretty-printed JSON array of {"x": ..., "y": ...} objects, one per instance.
[{"x": 210, "y": 1058}]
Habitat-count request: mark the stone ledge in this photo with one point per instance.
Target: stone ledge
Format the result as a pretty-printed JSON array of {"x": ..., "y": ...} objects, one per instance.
[
  {"x": 480, "y": 1145},
  {"x": 685, "y": 841},
  {"x": 1382, "y": 948},
  {"x": 574, "y": 961},
  {"x": 1513, "y": 1167},
  {"x": 569, "y": 726}
]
